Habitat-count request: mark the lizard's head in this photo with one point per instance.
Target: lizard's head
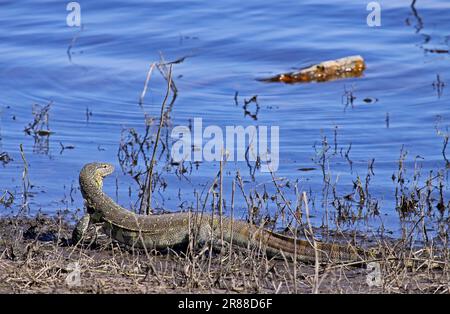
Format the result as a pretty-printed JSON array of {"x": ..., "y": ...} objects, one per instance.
[
  {"x": 103, "y": 169},
  {"x": 95, "y": 171}
]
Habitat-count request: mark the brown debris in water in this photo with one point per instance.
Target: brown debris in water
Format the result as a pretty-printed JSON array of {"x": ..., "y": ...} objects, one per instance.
[{"x": 347, "y": 67}]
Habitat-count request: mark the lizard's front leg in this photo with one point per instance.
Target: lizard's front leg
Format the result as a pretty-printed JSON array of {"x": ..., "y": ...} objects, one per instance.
[{"x": 80, "y": 229}]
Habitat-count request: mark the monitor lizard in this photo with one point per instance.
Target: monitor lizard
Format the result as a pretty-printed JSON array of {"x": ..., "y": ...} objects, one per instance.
[{"x": 161, "y": 231}]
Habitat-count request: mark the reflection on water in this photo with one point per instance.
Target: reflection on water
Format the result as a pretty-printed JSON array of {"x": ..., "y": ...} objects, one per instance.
[
  {"x": 419, "y": 22},
  {"x": 342, "y": 132}
]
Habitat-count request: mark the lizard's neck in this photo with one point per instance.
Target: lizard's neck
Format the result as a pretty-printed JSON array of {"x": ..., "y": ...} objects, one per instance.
[{"x": 99, "y": 182}]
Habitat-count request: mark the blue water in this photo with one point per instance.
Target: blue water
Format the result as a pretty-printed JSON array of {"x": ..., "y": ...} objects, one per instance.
[{"x": 101, "y": 67}]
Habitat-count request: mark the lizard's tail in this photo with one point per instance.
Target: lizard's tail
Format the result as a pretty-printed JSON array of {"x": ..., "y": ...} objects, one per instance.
[
  {"x": 305, "y": 251},
  {"x": 244, "y": 235}
]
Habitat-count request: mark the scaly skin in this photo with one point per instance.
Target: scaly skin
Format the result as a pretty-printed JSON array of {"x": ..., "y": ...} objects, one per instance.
[{"x": 168, "y": 230}]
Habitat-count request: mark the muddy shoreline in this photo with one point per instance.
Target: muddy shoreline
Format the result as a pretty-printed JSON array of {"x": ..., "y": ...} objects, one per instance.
[{"x": 36, "y": 257}]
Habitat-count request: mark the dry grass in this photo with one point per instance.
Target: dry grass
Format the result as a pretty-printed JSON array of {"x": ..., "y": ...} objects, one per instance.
[{"x": 35, "y": 258}]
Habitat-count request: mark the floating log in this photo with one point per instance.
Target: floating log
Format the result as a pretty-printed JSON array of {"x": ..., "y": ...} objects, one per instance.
[{"x": 352, "y": 66}]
